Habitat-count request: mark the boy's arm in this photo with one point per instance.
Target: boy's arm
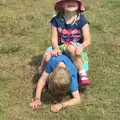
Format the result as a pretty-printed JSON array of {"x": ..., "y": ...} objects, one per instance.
[
  {"x": 75, "y": 100},
  {"x": 40, "y": 85}
]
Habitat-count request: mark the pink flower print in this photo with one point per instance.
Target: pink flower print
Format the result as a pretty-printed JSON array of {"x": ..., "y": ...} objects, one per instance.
[
  {"x": 68, "y": 32},
  {"x": 60, "y": 29},
  {"x": 75, "y": 31},
  {"x": 64, "y": 31},
  {"x": 62, "y": 40}
]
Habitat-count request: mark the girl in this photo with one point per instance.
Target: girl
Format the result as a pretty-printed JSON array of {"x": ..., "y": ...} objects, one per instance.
[{"x": 70, "y": 34}]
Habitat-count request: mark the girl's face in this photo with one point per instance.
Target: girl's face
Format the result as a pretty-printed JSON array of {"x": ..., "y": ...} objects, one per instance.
[{"x": 70, "y": 6}]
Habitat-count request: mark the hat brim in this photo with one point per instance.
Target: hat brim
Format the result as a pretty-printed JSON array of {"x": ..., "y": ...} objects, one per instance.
[{"x": 58, "y": 8}]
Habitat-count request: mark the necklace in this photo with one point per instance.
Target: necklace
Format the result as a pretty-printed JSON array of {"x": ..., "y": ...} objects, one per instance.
[{"x": 70, "y": 21}]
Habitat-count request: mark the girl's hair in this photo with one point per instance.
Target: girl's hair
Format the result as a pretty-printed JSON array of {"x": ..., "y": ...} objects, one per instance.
[
  {"x": 58, "y": 6},
  {"x": 59, "y": 81}
]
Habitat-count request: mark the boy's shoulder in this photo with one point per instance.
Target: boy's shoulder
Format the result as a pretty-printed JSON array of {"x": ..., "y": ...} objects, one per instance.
[
  {"x": 65, "y": 57},
  {"x": 62, "y": 56}
]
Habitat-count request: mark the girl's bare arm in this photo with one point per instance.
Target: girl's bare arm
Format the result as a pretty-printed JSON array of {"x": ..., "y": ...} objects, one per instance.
[
  {"x": 54, "y": 37},
  {"x": 86, "y": 35}
]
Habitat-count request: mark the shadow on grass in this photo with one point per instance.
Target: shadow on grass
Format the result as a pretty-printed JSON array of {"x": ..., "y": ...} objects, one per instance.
[
  {"x": 36, "y": 60},
  {"x": 47, "y": 97}
]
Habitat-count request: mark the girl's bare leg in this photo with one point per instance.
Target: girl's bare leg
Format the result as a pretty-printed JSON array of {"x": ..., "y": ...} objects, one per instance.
[{"x": 79, "y": 64}]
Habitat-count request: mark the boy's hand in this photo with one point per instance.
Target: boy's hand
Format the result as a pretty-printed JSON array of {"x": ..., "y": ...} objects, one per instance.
[
  {"x": 35, "y": 104},
  {"x": 56, "y": 108},
  {"x": 56, "y": 52}
]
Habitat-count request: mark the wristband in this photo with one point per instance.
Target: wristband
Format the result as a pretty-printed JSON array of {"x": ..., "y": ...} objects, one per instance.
[
  {"x": 37, "y": 99},
  {"x": 63, "y": 106}
]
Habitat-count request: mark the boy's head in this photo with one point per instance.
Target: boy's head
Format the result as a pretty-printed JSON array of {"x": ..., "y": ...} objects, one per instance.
[{"x": 59, "y": 81}]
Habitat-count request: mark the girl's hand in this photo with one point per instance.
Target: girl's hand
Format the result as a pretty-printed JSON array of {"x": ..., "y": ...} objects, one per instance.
[
  {"x": 56, "y": 52},
  {"x": 79, "y": 50},
  {"x": 35, "y": 104},
  {"x": 56, "y": 108}
]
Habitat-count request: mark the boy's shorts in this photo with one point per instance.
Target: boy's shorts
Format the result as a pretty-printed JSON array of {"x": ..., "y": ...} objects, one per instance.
[{"x": 75, "y": 44}]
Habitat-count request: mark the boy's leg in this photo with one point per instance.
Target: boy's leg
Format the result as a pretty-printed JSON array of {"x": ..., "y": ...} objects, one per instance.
[
  {"x": 46, "y": 57},
  {"x": 42, "y": 65},
  {"x": 80, "y": 64}
]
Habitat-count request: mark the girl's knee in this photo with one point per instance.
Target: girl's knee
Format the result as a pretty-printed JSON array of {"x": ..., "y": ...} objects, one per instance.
[{"x": 71, "y": 49}]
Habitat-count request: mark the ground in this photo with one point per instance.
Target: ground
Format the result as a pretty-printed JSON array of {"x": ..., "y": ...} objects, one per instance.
[{"x": 24, "y": 36}]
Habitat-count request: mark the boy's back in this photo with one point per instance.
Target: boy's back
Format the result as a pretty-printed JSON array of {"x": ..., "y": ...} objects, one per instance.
[{"x": 53, "y": 64}]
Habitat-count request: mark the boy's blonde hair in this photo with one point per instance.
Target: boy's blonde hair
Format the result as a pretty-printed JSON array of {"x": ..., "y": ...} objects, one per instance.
[{"x": 59, "y": 81}]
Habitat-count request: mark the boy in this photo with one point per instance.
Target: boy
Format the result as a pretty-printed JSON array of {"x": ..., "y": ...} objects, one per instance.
[{"x": 62, "y": 74}]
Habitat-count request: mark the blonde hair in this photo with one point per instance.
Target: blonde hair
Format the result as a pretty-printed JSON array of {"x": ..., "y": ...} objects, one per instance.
[{"x": 59, "y": 81}]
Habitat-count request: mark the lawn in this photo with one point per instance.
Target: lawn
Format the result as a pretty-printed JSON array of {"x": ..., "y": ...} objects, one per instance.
[{"x": 24, "y": 36}]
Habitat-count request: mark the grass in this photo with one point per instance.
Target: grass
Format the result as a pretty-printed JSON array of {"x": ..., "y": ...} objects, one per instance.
[{"x": 25, "y": 34}]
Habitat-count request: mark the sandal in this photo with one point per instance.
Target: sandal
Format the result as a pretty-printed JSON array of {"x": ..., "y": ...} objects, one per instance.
[{"x": 84, "y": 80}]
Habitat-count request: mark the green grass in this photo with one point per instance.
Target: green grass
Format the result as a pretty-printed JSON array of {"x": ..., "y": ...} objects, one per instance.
[{"x": 25, "y": 34}]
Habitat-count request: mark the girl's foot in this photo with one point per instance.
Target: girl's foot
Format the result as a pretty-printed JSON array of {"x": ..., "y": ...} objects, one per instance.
[{"x": 84, "y": 80}]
